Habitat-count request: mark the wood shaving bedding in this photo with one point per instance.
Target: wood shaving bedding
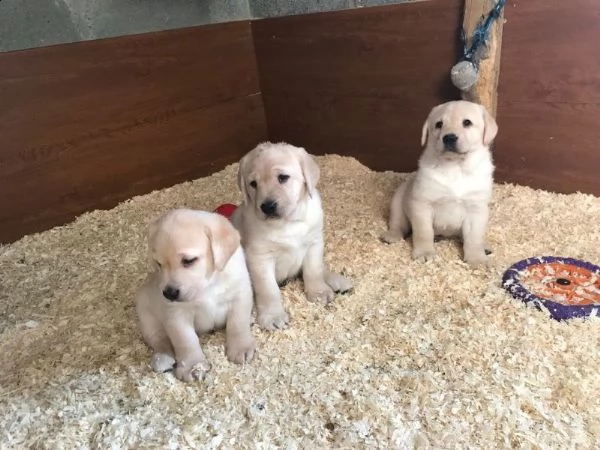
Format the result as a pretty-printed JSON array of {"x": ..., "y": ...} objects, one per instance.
[{"x": 430, "y": 355}]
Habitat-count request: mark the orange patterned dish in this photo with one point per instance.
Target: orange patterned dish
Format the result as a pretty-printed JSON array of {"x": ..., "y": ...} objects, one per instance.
[{"x": 566, "y": 287}]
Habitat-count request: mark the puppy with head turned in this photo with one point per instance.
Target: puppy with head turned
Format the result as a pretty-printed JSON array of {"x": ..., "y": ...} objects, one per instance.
[
  {"x": 281, "y": 223},
  {"x": 199, "y": 283},
  {"x": 449, "y": 194}
]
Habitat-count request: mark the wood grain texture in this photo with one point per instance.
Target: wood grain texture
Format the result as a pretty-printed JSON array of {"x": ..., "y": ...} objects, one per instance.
[
  {"x": 359, "y": 82},
  {"x": 549, "y": 96},
  {"x": 86, "y": 125}
]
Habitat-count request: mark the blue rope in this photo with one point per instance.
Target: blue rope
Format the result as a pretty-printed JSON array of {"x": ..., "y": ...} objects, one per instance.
[{"x": 480, "y": 33}]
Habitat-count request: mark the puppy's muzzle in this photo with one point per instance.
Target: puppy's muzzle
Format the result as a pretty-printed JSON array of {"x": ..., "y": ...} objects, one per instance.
[
  {"x": 450, "y": 141},
  {"x": 170, "y": 293},
  {"x": 269, "y": 208}
]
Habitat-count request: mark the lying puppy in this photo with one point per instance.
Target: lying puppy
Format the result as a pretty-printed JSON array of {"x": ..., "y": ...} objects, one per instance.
[
  {"x": 200, "y": 283},
  {"x": 450, "y": 192},
  {"x": 281, "y": 223}
]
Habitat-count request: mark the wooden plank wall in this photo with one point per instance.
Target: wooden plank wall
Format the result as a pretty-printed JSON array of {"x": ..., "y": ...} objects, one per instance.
[
  {"x": 549, "y": 96},
  {"x": 358, "y": 82},
  {"x": 87, "y": 125}
]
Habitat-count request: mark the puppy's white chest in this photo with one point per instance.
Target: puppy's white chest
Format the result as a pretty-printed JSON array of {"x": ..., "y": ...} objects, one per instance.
[
  {"x": 293, "y": 242},
  {"x": 210, "y": 310},
  {"x": 293, "y": 236},
  {"x": 292, "y": 252},
  {"x": 453, "y": 190},
  {"x": 456, "y": 183}
]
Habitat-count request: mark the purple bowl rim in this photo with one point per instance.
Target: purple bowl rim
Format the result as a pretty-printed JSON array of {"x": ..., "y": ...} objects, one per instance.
[{"x": 512, "y": 283}]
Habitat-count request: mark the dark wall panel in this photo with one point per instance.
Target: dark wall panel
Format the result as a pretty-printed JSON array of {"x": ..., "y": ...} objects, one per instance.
[
  {"x": 86, "y": 125},
  {"x": 549, "y": 95},
  {"x": 358, "y": 82}
]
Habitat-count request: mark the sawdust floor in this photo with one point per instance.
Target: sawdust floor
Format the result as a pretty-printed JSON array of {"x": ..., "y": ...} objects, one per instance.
[{"x": 419, "y": 356}]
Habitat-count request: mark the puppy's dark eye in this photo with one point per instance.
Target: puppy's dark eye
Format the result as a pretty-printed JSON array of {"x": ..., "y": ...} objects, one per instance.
[
  {"x": 253, "y": 184},
  {"x": 439, "y": 124},
  {"x": 467, "y": 123},
  {"x": 158, "y": 264},
  {"x": 188, "y": 262},
  {"x": 283, "y": 178}
]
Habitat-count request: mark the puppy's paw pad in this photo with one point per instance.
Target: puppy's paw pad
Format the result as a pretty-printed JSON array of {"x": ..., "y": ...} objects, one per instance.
[
  {"x": 322, "y": 294},
  {"x": 423, "y": 255},
  {"x": 196, "y": 372},
  {"x": 241, "y": 352},
  {"x": 274, "y": 321},
  {"x": 391, "y": 237},
  {"x": 161, "y": 362},
  {"x": 339, "y": 283}
]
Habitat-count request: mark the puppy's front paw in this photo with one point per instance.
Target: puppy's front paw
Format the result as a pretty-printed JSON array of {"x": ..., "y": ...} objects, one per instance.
[
  {"x": 187, "y": 372},
  {"x": 477, "y": 260},
  {"x": 423, "y": 255},
  {"x": 391, "y": 237},
  {"x": 161, "y": 362},
  {"x": 241, "y": 350},
  {"x": 320, "y": 293},
  {"x": 273, "y": 320},
  {"x": 338, "y": 283}
]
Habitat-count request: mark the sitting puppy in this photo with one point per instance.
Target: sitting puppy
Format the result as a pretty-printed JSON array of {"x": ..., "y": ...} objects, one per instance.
[
  {"x": 281, "y": 223},
  {"x": 200, "y": 283},
  {"x": 450, "y": 192}
]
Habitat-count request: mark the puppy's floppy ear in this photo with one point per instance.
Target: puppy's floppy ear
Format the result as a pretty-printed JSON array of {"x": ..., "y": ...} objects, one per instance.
[
  {"x": 490, "y": 126},
  {"x": 310, "y": 170},
  {"x": 224, "y": 240},
  {"x": 153, "y": 227},
  {"x": 425, "y": 132},
  {"x": 241, "y": 176}
]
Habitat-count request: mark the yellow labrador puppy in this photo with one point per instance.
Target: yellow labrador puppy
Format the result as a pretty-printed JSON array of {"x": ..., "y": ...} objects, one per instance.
[
  {"x": 200, "y": 282},
  {"x": 281, "y": 223},
  {"x": 450, "y": 192}
]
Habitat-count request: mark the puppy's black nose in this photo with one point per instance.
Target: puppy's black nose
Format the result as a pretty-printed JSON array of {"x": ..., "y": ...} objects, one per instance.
[
  {"x": 269, "y": 207},
  {"x": 449, "y": 141},
  {"x": 171, "y": 293}
]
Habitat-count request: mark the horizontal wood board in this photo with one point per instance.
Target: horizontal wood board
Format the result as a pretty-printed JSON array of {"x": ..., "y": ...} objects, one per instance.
[
  {"x": 358, "y": 82},
  {"x": 87, "y": 125},
  {"x": 549, "y": 96}
]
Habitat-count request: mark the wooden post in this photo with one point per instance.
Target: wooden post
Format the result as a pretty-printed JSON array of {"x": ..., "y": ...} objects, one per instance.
[{"x": 485, "y": 91}]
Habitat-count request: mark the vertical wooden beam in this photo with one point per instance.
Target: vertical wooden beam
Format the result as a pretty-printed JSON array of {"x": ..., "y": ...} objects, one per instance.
[{"x": 485, "y": 91}]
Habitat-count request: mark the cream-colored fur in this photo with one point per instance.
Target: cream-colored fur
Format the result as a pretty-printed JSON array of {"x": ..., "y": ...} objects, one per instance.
[
  {"x": 281, "y": 223},
  {"x": 199, "y": 283},
  {"x": 450, "y": 192}
]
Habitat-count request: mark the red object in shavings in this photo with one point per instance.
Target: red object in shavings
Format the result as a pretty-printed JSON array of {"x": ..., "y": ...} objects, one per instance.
[{"x": 226, "y": 209}]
